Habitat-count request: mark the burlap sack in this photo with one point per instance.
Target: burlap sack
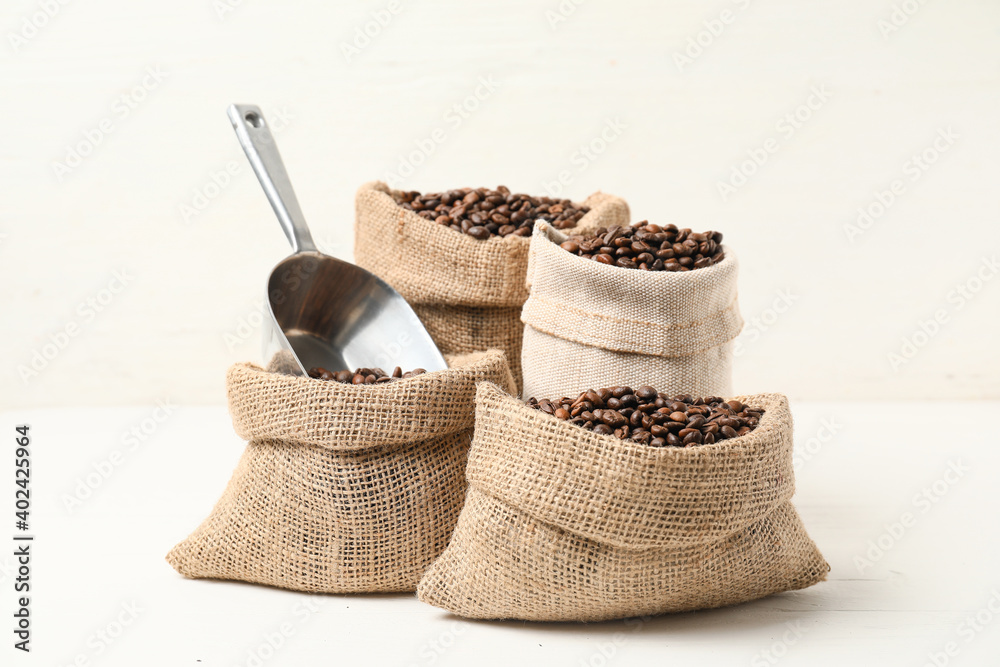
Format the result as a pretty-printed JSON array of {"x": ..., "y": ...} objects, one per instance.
[
  {"x": 468, "y": 293},
  {"x": 342, "y": 488},
  {"x": 562, "y": 524},
  {"x": 590, "y": 325}
]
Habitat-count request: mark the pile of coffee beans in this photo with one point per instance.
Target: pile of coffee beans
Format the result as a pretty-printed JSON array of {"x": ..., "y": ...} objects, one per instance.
[
  {"x": 649, "y": 247},
  {"x": 363, "y": 375},
  {"x": 652, "y": 418},
  {"x": 482, "y": 213}
]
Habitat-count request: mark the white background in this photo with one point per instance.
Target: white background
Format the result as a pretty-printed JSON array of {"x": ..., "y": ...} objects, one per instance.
[
  {"x": 145, "y": 201},
  {"x": 197, "y": 277}
]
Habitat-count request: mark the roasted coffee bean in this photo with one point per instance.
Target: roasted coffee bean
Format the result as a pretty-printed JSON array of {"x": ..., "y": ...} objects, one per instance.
[
  {"x": 651, "y": 418},
  {"x": 478, "y": 233},
  {"x": 659, "y": 431},
  {"x": 363, "y": 375},
  {"x": 613, "y": 418},
  {"x": 692, "y": 438},
  {"x": 483, "y": 213},
  {"x": 645, "y": 393},
  {"x": 696, "y": 421},
  {"x": 649, "y": 247}
]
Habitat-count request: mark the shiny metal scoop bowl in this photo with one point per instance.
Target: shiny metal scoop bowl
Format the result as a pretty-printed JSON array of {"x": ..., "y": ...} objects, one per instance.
[{"x": 324, "y": 311}]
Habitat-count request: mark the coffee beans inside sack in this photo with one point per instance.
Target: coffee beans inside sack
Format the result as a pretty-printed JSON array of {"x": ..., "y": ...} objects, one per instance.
[
  {"x": 653, "y": 418},
  {"x": 462, "y": 264},
  {"x": 565, "y": 524},
  {"x": 363, "y": 375},
  {"x": 591, "y": 324},
  {"x": 482, "y": 212},
  {"x": 649, "y": 247},
  {"x": 342, "y": 488}
]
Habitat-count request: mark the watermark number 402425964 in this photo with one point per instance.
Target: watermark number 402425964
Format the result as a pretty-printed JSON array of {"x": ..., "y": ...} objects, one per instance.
[{"x": 22, "y": 539}]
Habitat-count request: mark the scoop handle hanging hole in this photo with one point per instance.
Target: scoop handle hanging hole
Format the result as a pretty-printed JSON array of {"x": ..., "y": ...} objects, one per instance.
[{"x": 253, "y": 120}]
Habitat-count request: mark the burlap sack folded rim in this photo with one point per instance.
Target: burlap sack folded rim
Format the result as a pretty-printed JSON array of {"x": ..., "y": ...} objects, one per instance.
[
  {"x": 625, "y": 318},
  {"x": 623, "y": 493},
  {"x": 502, "y": 564},
  {"x": 345, "y": 417},
  {"x": 466, "y": 268}
]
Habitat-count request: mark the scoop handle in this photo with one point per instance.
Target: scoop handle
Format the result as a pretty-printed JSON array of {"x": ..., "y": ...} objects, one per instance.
[{"x": 258, "y": 143}]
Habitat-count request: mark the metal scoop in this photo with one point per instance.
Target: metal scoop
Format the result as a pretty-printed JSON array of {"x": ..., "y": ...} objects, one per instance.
[{"x": 324, "y": 311}]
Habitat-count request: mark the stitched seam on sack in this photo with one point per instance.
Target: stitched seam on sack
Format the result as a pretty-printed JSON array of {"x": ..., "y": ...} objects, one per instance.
[
  {"x": 631, "y": 347},
  {"x": 622, "y": 320},
  {"x": 631, "y": 350}
]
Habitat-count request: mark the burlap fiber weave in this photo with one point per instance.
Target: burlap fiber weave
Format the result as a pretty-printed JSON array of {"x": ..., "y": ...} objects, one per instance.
[
  {"x": 563, "y": 524},
  {"x": 591, "y": 325},
  {"x": 467, "y": 292},
  {"x": 342, "y": 488}
]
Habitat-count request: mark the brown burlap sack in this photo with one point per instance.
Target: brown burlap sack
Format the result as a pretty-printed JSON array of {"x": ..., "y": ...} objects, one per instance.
[
  {"x": 342, "y": 488},
  {"x": 590, "y": 325},
  {"x": 468, "y": 293},
  {"x": 563, "y": 524}
]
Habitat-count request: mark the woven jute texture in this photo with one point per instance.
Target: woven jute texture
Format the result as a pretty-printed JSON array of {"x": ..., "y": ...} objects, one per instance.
[
  {"x": 562, "y": 524},
  {"x": 342, "y": 488},
  {"x": 472, "y": 327},
  {"x": 466, "y": 291},
  {"x": 590, "y": 325}
]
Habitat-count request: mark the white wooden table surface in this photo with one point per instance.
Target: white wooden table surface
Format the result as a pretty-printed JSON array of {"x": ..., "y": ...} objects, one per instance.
[{"x": 901, "y": 498}]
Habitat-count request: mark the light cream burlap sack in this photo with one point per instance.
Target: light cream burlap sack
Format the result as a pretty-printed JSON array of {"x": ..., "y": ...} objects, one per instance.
[
  {"x": 467, "y": 292},
  {"x": 590, "y": 325},
  {"x": 342, "y": 488},
  {"x": 563, "y": 524}
]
